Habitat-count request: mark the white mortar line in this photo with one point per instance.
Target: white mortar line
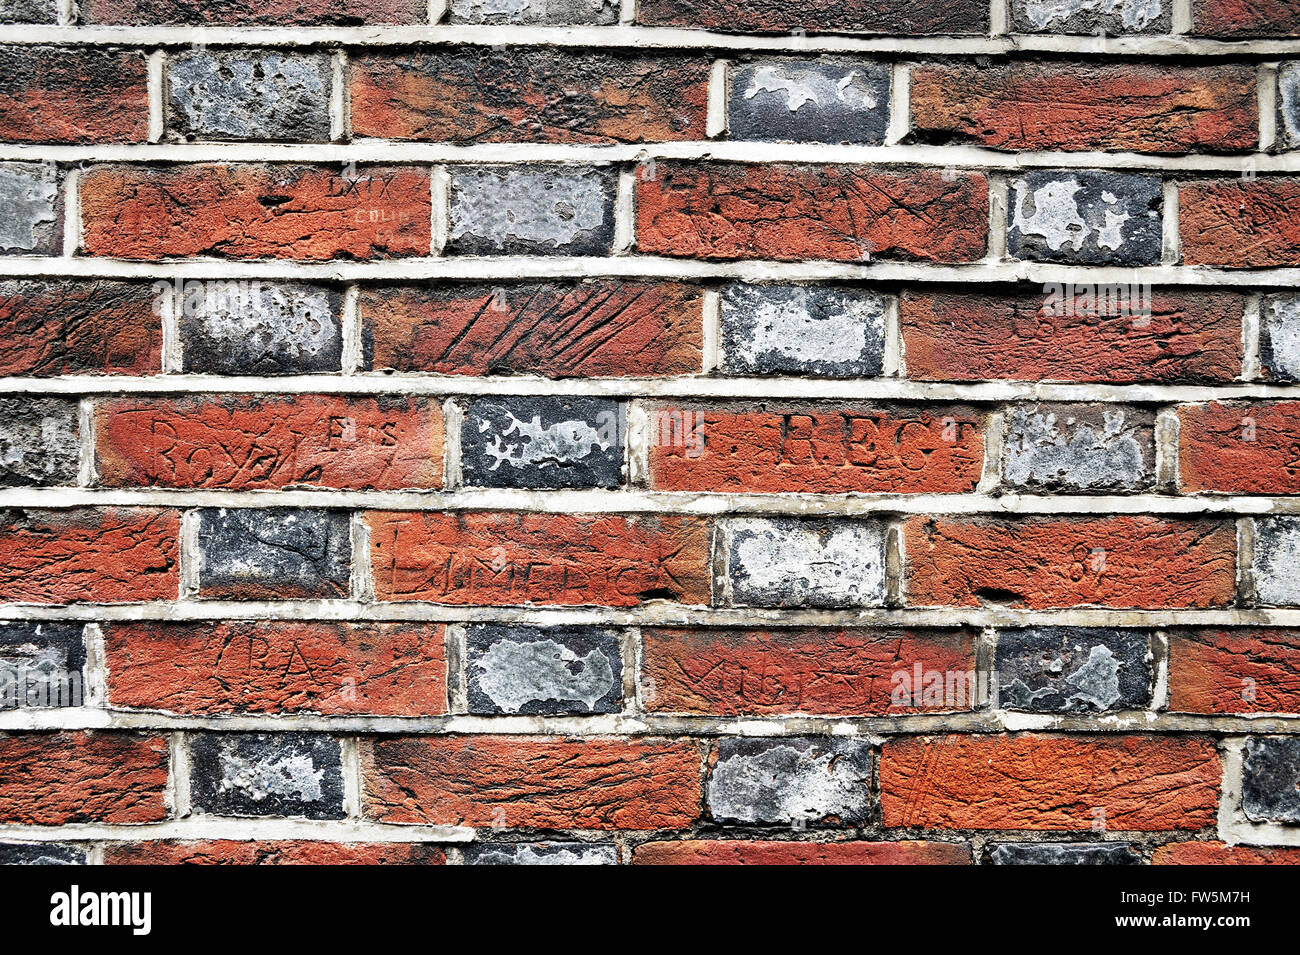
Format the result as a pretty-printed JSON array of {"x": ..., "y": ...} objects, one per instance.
[
  {"x": 169, "y": 300},
  {"x": 999, "y": 18},
  {"x": 900, "y": 103},
  {"x": 157, "y": 87},
  {"x": 86, "y": 443},
  {"x": 196, "y": 828},
  {"x": 361, "y": 583},
  {"x": 96, "y": 678},
  {"x": 437, "y": 9},
  {"x": 65, "y": 12},
  {"x": 1251, "y": 366},
  {"x": 1245, "y": 560},
  {"x": 892, "y": 360},
  {"x": 188, "y": 555},
  {"x": 453, "y": 417},
  {"x": 1181, "y": 18},
  {"x": 1267, "y": 97},
  {"x": 711, "y": 332},
  {"x": 625, "y": 213},
  {"x": 999, "y": 191},
  {"x": 456, "y": 645},
  {"x": 178, "y": 775},
  {"x": 627, "y": 12},
  {"x": 71, "y": 214},
  {"x": 1170, "y": 242},
  {"x": 350, "y": 328},
  {"x": 350, "y": 760},
  {"x": 716, "y": 121},
  {"x": 1166, "y": 449},
  {"x": 637, "y": 446},
  {"x": 440, "y": 209},
  {"x": 1160, "y": 689},
  {"x": 994, "y": 437},
  {"x": 340, "y": 126}
]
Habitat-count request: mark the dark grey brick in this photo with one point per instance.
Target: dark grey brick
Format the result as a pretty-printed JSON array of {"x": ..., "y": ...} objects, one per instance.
[
  {"x": 817, "y": 101},
  {"x": 275, "y": 553},
  {"x": 1078, "y": 17},
  {"x": 41, "y": 853},
  {"x": 540, "y": 853},
  {"x": 1277, "y": 554},
  {"x": 1065, "y": 669},
  {"x": 29, "y": 11},
  {"x": 1062, "y": 853},
  {"x": 1288, "y": 105},
  {"x": 249, "y": 94},
  {"x": 788, "y": 562},
  {"x": 1270, "y": 789},
  {"x": 545, "y": 210},
  {"x": 792, "y": 780},
  {"x": 542, "y": 442},
  {"x": 1279, "y": 338},
  {"x": 554, "y": 12},
  {"x": 42, "y": 665},
  {"x": 266, "y": 774},
  {"x": 1085, "y": 217},
  {"x": 1079, "y": 448},
  {"x": 31, "y": 209},
  {"x": 543, "y": 670},
  {"x": 38, "y": 442},
  {"x": 798, "y": 329},
  {"x": 256, "y": 328}
]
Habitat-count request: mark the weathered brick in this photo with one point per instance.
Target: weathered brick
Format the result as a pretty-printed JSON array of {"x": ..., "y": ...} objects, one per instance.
[
  {"x": 1073, "y": 106},
  {"x": 1288, "y": 105},
  {"x": 924, "y": 18},
  {"x": 788, "y": 562},
  {"x": 1239, "y": 19},
  {"x": 100, "y": 555},
  {"x": 496, "y": 559},
  {"x": 819, "y": 672},
  {"x": 532, "y": 782},
  {"x": 1217, "y": 853},
  {"x": 1239, "y": 223},
  {"x": 596, "y": 329},
  {"x": 805, "y": 330},
  {"x": 542, "y": 442},
  {"x": 276, "y": 852},
  {"x": 749, "y": 852},
  {"x": 42, "y": 665},
  {"x": 1277, "y": 552},
  {"x": 1036, "y": 563},
  {"x": 38, "y": 442},
  {"x": 41, "y": 853},
  {"x": 29, "y": 11},
  {"x": 252, "y": 211},
  {"x": 1083, "y": 17},
  {"x": 266, "y": 774},
  {"x": 816, "y": 449},
  {"x": 840, "y": 213},
  {"x": 1240, "y": 447},
  {"x": 1115, "y": 334},
  {"x": 1051, "y": 783},
  {"x": 820, "y": 101},
  {"x": 540, "y": 210},
  {"x": 1270, "y": 784},
  {"x": 1056, "y": 448},
  {"x": 52, "y": 779},
  {"x": 52, "y": 94},
  {"x": 259, "y": 12},
  {"x": 241, "y": 443},
  {"x": 1072, "y": 669},
  {"x": 540, "y": 853},
  {"x": 249, "y": 94},
  {"x": 1085, "y": 217},
  {"x": 562, "y": 12},
  {"x": 273, "y": 554},
  {"x": 513, "y": 669},
  {"x": 381, "y": 669},
  {"x": 31, "y": 209},
  {"x": 90, "y": 327},
  {"x": 528, "y": 95},
  {"x": 1254, "y": 670},
  {"x": 790, "y": 781},
  {"x": 1279, "y": 338},
  {"x": 255, "y": 328},
  {"x": 1062, "y": 853}
]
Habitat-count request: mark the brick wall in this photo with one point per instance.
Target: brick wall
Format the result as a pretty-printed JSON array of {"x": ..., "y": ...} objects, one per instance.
[{"x": 685, "y": 431}]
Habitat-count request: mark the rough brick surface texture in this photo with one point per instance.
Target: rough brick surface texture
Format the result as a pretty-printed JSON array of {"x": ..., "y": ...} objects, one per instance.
[{"x": 677, "y": 432}]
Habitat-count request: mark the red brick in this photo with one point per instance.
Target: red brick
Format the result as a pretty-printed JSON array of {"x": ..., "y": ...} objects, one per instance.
[
  {"x": 1074, "y": 336},
  {"x": 246, "y": 443},
  {"x": 261, "y": 12},
  {"x": 382, "y": 669},
  {"x": 1255, "y": 670},
  {"x": 109, "y": 555},
  {"x": 1217, "y": 853},
  {"x": 233, "y": 852},
  {"x": 249, "y": 211},
  {"x": 898, "y": 17},
  {"x": 1240, "y": 448},
  {"x": 841, "y": 213},
  {"x": 528, "y": 95},
  {"x": 1238, "y": 19},
  {"x": 1240, "y": 224},
  {"x": 1037, "y": 563},
  {"x": 815, "y": 450},
  {"x": 772, "y": 672},
  {"x": 1050, "y": 782},
  {"x": 61, "y": 95},
  {"x": 1072, "y": 106},
  {"x": 746, "y": 852},
  {"x": 530, "y": 782},
  {"x": 595, "y": 329},
  {"x": 50, "y": 779},
  {"x": 495, "y": 559}
]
